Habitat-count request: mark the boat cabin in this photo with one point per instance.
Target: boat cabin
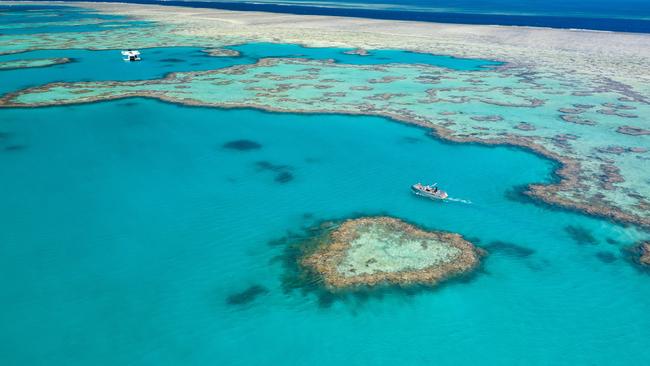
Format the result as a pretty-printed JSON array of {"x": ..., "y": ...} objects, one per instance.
[{"x": 131, "y": 55}]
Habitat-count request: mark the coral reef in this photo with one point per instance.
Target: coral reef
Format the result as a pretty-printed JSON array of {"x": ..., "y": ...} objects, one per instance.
[
  {"x": 222, "y": 52},
  {"x": 558, "y": 98},
  {"x": 645, "y": 254},
  {"x": 37, "y": 62},
  {"x": 378, "y": 250}
]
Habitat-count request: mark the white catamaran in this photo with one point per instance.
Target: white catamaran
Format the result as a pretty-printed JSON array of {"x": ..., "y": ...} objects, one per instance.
[{"x": 131, "y": 55}]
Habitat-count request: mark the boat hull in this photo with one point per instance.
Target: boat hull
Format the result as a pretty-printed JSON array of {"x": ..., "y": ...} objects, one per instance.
[{"x": 439, "y": 195}]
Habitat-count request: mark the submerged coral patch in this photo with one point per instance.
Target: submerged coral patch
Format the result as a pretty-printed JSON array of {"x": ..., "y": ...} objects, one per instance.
[
  {"x": 15, "y": 147},
  {"x": 642, "y": 252},
  {"x": 283, "y": 172},
  {"x": 267, "y": 165},
  {"x": 606, "y": 257},
  {"x": 580, "y": 235},
  {"x": 172, "y": 60},
  {"x": 284, "y": 177},
  {"x": 247, "y": 296},
  {"x": 633, "y": 131},
  {"x": 383, "y": 250},
  {"x": 639, "y": 255},
  {"x": 509, "y": 249},
  {"x": 242, "y": 145}
]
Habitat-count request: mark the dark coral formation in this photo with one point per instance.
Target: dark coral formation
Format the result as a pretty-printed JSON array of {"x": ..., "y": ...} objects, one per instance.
[
  {"x": 172, "y": 60},
  {"x": 283, "y": 177},
  {"x": 490, "y": 118},
  {"x": 571, "y": 110},
  {"x": 572, "y": 118},
  {"x": 282, "y": 172},
  {"x": 606, "y": 257},
  {"x": 633, "y": 131},
  {"x": 611, "y": 174},
  {"x": 638, "y": 255},
  {"x": 358, "y": 52},
  {"x": 580, "y": 235},
  {"x": 509, "y": 249},
  {"x": 247, "y": 296},
  {"x": 222, "y": 52},
  {"x": 618, "y": 150},
  {"x": 613, "y": 112},
  {"x": 525, "y": 126},
  {"x": 242, "y": 145},
  {"x": 644, "y": 258},
  {"x": 14, "y": 147}
]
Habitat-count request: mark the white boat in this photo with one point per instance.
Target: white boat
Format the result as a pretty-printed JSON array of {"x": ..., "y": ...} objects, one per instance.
[
  {"x": 131, "y": 55},
  {"x": 431, "y": 191}
]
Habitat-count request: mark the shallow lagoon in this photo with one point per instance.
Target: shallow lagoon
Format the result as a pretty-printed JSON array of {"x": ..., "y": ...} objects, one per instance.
[
  {"x": 127, "y": 225},
  {"x": 157, "y": 62}
]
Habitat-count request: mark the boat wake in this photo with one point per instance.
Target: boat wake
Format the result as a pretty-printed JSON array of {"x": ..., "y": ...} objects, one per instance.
[{"x": 459, "y": 200}]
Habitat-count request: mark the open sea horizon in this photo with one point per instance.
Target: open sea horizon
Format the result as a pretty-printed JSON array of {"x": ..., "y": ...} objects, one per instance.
[{"x": 623, "y": 16}]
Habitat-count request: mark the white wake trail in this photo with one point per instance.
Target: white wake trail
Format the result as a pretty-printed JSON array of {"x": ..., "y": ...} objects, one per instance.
[{"x": 452, "y": 199}]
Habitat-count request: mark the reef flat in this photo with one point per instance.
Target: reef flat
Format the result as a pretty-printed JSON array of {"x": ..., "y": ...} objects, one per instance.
[
  {"x": 41, "y": 62},
  {"x": 374, "y": 250},
  {"x": 578, "y": 97},
  {"x": 644, "y": 257}
]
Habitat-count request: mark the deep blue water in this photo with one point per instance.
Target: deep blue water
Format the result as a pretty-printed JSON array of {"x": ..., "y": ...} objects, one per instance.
[
  {"x": 600, "y": 8},
  {"x": 622, "y": 16},
  {"x": 32, "y": 18},
  {"x": 70, "y": 28},
  {"x": 12, "y": 14}
]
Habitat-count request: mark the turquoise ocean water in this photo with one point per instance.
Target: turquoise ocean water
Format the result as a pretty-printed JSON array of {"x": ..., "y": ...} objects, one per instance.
[
  {"x": 128, "y": 228},
  {"x": 127, "y": 225}
]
